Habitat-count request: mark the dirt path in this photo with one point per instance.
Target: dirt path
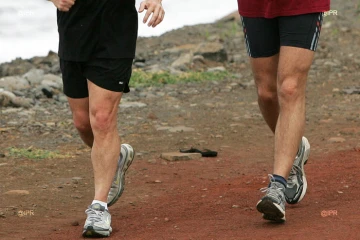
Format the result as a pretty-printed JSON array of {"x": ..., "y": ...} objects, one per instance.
[{"x": 210, "y": 198}]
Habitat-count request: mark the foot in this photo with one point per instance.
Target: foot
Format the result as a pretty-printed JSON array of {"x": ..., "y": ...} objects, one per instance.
[
  {"x": 296, "y": 183},
  {"x": 272, "y": 205},
  {"x": 117, "y": 187},
  {"x": 98, "y": 222}
]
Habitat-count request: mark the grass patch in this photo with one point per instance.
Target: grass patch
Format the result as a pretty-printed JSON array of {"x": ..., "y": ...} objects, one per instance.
[
  {"x": 143, "y": 79},
  {"x": 36, "y": 154}
]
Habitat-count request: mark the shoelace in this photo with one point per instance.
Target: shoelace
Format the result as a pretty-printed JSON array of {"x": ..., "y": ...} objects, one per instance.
[
  {"x": 94, "y": 216},
  {"x": 272, "y": 190}
]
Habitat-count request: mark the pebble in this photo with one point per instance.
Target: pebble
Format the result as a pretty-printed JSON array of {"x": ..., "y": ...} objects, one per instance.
[
  {"x": 337, "y": 140},
  {"x": 125, "y": 105},
  {"x": 177, "y": 156},
  {"x": 74, "y": 223},
  {"x": 217, "y": 69},
  {"x": 17, "y": 192}
]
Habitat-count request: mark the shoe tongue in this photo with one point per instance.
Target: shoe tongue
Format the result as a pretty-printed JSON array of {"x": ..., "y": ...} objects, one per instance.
[
  {"x": 97, "y": 207},
  {"x": 279, "y": 185}
]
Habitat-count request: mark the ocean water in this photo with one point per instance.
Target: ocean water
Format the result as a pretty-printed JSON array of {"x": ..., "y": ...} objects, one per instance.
[{"x": 28, "y": 27}]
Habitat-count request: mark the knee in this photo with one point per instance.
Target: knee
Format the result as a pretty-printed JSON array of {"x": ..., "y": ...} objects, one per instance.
[
  {"x": 290, "y": 90},
  {"x": 102, "y": 121},
  {"x": 266, "y": 86},
  {"x": 82, "y": 121},
  {"x": 267, "y": 94}
]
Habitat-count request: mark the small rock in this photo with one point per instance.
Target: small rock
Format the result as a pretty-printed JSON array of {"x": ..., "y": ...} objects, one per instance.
[
  {"x": 181, "y": 129},
  {"x": 62, "y": 98},
  {"x": 14, "y": 83},
  {"x": 132, "y": 105},
  {"x": 76, "y": 196},
  {"x": 50, "y": 124},
  {"x": 166, "y": 219},
  {"x": 22, "y": 102},
  {"x": 176, "y": 156},
  {"x": 140, "y": 64},
  {"x": 213, "y": 51},
  {"x": 217, "y": 69},
  {"x": 34, "y": 76},
  {"x": 337, "y": 140},
  {"x": 352, "y": 90},
  {"x": 74, "y": 223},
  {"x": 182, "y": 61},
  {"x": 152, "y": 116},
  {"x": 53, "y": 81},
  {"x": 17, "y": 192},
  {"x": 326, "y": 120},
  {"x": 198, "y": 58},
  {"x": 235, "y": 206},
  {"x": 6, "y": 98},
  {"x": 47, "y": 91},
  {"x": 158, "y": 181}
]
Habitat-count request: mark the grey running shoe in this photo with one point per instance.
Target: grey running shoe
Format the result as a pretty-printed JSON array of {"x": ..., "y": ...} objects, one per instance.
[
  {"x": 296, "y": 183},
  {"x": 117, "y": 187},
  {"x": 98, "y": 222},
  {"x": 272, "y": 205}
]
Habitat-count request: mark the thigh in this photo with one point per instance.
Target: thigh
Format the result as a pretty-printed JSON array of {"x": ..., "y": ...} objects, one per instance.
[
  {"x": 74, "y": 81},
  {"x": 302, "y": 31},
  {"x": 110, "y": 74},
  {"x": 294, "y": 65},
  {"x": 103, "y": 104},
  {"x": 265, "y": 72},
  {"x": 261, "y": 36}
]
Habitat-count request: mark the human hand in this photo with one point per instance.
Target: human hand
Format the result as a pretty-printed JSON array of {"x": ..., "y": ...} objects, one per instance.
[
  {"x": 155, "y": 8},
  {"x": 63, "y": 5}
]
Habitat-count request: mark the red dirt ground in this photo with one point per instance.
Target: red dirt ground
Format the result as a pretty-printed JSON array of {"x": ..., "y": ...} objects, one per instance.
[
  {"x": 215, "y": 198},
  {"x": 210, "y": 198}
]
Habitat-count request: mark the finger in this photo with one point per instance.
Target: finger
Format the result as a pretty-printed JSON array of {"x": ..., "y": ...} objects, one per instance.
[
  {"x": 64, "y": 9},
  {"x": 142, "y": 7},
  {"x": 64, "y": 5},
  {"x": 148, "y": 13},
  {"x": 154, "y": 17},
  {"x": 72, "y": 2},
  {"x": 159, "y": 19}
]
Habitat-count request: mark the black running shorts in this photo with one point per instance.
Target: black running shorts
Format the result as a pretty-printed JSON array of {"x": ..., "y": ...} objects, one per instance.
[
  {"x": 110, "y": 74},
  {"x": 265, "y": 36}
]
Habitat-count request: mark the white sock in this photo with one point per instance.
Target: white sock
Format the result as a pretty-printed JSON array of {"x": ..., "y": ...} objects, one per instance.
[{"x": 104, "y": 204}]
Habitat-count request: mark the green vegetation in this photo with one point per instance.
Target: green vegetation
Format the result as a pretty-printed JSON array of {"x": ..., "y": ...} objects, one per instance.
[
  {"x": 36, "y": 154},
  {"x": 143, "y": 79}
]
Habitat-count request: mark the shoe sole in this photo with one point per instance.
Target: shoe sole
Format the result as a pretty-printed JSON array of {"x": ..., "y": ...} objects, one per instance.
[
  {"x": 270, "y": 210},
  {"x": 306, "y": 157},
  {"x": 90, "y": 232},
  {"x": 127, "y": 164}
]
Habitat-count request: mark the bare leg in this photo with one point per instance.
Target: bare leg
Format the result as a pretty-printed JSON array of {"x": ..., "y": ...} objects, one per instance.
[
  {"x": 265, "y": 74},
  {"x": 81, "y": 118},
  {"x": 294, "y": 65},
  {"x": 106, "y": 147}
]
